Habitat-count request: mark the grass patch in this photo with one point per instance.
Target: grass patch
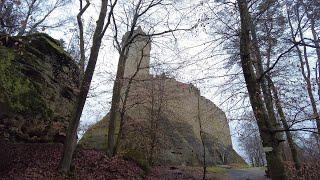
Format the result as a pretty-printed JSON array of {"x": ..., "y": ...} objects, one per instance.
[
  {"x": 216, "y": 169},
  {"x": 263, "y": 168},
  {"x": 239, "y": 166}
]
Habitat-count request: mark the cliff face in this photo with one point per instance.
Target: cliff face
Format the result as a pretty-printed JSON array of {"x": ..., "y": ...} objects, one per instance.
[
  {"x": 163, "y": 118},
  {"x": 162, "y": 125},
  {"x": 38, "y": 88}
]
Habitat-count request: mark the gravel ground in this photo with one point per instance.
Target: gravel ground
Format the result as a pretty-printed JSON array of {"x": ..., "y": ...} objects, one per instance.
[{"x": 247, "y": 174}]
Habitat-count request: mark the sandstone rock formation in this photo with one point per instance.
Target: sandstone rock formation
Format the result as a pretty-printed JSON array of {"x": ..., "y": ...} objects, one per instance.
[
  {"x": 162, "y": 118},
  {"x": 38, "y": 87}
]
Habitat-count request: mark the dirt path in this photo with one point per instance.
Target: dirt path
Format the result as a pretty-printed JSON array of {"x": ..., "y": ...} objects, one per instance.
[
  {"x": 247, "y": 174},
  {"x": 195, "y": 173},
  {"x": 180, "y": 172}
]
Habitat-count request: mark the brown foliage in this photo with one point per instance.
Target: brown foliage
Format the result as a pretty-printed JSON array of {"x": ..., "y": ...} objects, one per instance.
[
  {"x": 40, "y": 161},
  {"x": 308, "y": 171}
]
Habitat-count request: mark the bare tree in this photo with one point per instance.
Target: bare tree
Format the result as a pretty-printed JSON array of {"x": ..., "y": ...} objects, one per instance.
[
  {"x": 100, "y": 30},
  {"x": 81, "y": 36},
  {"x": 140, "y": 9},
  {"x": 251, "y": 141},
  {"x": 266, "y": 123},
  {"x": 204, "y": 165},
  {"x": 284, "y": 122},
  {"x": 118, "y": 83},
  {"x": 22, "y": 17},
  {"x": 304, "y": 62},
  {"x": 125, "y": 96}
]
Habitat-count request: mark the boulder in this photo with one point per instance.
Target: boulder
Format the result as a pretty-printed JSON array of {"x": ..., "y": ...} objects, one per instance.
[{"x": 39, "y": 83}]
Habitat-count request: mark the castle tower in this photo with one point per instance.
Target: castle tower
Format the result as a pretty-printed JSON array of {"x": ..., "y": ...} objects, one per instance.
[{"x": 138, "y": 59}]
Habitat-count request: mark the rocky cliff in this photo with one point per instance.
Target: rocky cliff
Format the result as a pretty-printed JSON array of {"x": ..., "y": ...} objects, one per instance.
[
  {"x": 38, "y": 87},
  {"x": 163, "y": 118}
]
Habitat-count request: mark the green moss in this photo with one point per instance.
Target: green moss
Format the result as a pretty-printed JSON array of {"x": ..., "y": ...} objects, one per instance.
[
  {"x": 52, "y": 43},
  {"x": 16, "y": 90},
  {"x": 216, "y": 169},
  {"x": 49, "y": 38}
]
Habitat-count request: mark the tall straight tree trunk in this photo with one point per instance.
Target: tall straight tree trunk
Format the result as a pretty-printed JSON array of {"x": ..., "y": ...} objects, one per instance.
[
  {"x": 71, "y": 139},
  {"x": 266, "y": 92},
  {"x": 81, "y": 37},
  {"x": 282, "y": 115},
  {"x": 268, "y": 136},
  {"x": 275, "y": 99},
  {"x": 114, "y": 112},
  {"x": 124, "y": 103},
  {"x": 259, "y": 69},
  {"x": 118, "y": 83},
  {"x": 204, "y": 165},
  {"x": 306, "y": 75}
]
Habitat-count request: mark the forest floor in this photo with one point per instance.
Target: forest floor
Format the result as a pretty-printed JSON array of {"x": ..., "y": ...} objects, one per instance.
[{"x": 40, "y": 161}]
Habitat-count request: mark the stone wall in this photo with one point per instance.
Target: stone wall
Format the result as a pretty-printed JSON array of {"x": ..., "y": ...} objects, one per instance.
[
  {"x": 162, "y": 119},
  {"x": 138, "y": 53}
]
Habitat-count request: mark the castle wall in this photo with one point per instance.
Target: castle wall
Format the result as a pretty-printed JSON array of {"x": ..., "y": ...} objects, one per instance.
[
  {"x": 138, "y": 57},
  {"x": 183, "y": 101},
  {"x": 163, "y": 113},
  {"x": 180, "y": 103}
]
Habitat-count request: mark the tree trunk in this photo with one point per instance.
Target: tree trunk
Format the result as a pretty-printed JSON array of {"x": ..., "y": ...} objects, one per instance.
[
  {"x": 70, "y": 141},
  {"x": 124, "y": 103},
  {"x": 116, "y": 96},
  {"x": 269, "y": 137},
  {"x": 204, "y": 165},
  {"x": 118, "y": 84},
  {"x": 81, "y": 37},
  {"x": 291, "y": 143}
]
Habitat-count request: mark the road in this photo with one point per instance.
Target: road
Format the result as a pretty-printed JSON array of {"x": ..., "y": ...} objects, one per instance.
[{"x": 247, "y": 174}]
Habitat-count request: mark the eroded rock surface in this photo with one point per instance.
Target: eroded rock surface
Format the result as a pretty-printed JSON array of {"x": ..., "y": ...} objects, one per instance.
[
  {"x": 163, "y": 117},
  {"x": 39, "y": 83}
]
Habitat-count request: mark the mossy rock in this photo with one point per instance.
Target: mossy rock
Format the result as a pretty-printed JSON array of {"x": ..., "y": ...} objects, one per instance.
[
  {"x": 17, "y": 91},
  {"x": 38, "y": 88}
]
